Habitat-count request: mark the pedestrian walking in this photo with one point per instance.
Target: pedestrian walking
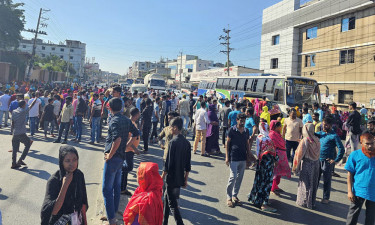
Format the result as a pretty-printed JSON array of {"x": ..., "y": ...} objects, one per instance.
[
  {"x": 184, "y": 110},
  {"x": 146, "y": 205},
  {"x": 19, "y": 133},
  {"x": 212, "y": 133},
  {"x": 34, "y": 112},
  {"x": 292, "y": 132},
  {"x": 146, "y": 123},
  {"x": 267, "y": 158},
  {"x": 361, "y": 181},
  {"x": 155, "y": 120},
  {"x": 191, "y": 109},
  {"x": 4, "y": 108},
  {"x": 65, "y": 119},
  {"x": 238, "y": 153},
  {"x": 232, "y": 116},
  {"x": 224, "y": 117},
  {"x": 329, "y": 140},
  {"x": 282, "y": 168},
  {"x": 48, "y": 117},
  {"x": 116, "y": 143},
  {"x": 354, "y": 125},
  {"x": 95, "y": 118},
  {"x": 65, "y": 201},
  {"x": 80, "y": 113},
  {"x": 176, "y": 171},
  {"x": 201, "y": 121},
  {"x": 306, "y": 164}
]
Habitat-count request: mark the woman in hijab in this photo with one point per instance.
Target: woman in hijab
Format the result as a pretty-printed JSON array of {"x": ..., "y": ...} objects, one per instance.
[
  {"x": 266, "y": 115},
  {"x": 65, "y": 201},
  {"x": 306, "y": 163},
  {"x": 267, "y": 158},
  {"x": 282, "y": 168},
  {"x": 212, "y": 136},
  {"x": 145, "y": 206}
]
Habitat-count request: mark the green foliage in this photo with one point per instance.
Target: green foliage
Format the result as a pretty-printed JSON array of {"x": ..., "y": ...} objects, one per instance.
[
  {"x": 230, "y": 63},
  {"x": 53, "y": 63},
  {"x": 12, "y": 22}
]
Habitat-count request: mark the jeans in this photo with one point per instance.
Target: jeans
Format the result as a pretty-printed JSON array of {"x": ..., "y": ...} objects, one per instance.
[
  {"x": 355, "y": 209},
  {"x": 326, "y": 170},
  {"x": 74, "y": 127},
  {"x": 200, "y": 134},
  {"x": 162, "y": 122},
  {"x": 79, "y": 127},
  {"x": 54, "y": 124},
  {"x": 112, "y": 187},
  {"x": 66, "y": 126},
  {"x": 237, "y": 170},
  {"x": 171, "y": 205},
  {"x": 127, "y": 167},
  {"x": 186, "y": 121},
  {"x": 16, "y": 140},
  {"x": 224, "y": 135},
  {"x": 45, "y": 126},
  {"x": 354, "y": 142},
  {"x": 2, "y": 112},
  {"x": 33, "y": 125},
  {"x": 154, "y": 130},
  {"x": 145, "y": 136},
  {"x": 291, "y": 145},
  {"x": 95, "y": 128}
]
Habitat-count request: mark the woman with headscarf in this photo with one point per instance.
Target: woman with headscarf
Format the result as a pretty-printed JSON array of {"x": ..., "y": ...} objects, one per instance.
[
  {"x": 298, "y": 112},
  {"x": 306, "y": 163},
  {"x": 257, "y": 107},
  {"x": 265, "y": 114},
  {"x": 282, "y": 168},
  {"x": 65, "y": 201},
  {"x": 145, "y": 206},
  {"x": 212, "y": 136},
  {"x": 267, "y": 158}
]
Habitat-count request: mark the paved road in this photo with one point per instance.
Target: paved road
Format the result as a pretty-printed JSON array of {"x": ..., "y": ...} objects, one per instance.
[
  {"x": 204, "y": 201},
  {"x": 22, "y": 191}
]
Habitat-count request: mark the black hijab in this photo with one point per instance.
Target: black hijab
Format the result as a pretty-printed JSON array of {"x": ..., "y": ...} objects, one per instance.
[{"x": 75, "y": 196}]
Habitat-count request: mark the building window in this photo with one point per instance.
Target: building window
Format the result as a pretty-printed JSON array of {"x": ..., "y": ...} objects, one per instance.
[
  {"x": 347, "y": 24},
  {"x": 71, "y": 57},
  {"x": 53, "y": 49},
  {"x": 199, "y": 65},
  {"x": 274, "y": 63},
  {"x": 310, "y": 60},
  {"x": 276, "y": 40},
  {"x": 43, "y": 55},
  {"x": 311, "y": 33},
  {"x": 347, "y": 56},
  {"x": 345, "y": 97},
  {"x": 61, "y": 57},
  {"x": 23, "y": 46},
  {"x": 71, "y": 50},
  {"x": 43, "y": 48},
  {"x": 61, "y": 49}
]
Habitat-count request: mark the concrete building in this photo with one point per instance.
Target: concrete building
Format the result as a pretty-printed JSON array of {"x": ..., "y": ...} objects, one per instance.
[
  {"x": 70, "y": 51},
  {"x": 140, "y": 69},
  {"x": 212, "y": 74},
  {"x": 188, "y": 64},
  {"x": 331, "y": 41}
]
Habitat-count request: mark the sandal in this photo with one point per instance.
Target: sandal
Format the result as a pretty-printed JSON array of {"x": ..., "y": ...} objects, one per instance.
[
  {"x": 236, "y": 201},
  {"x": 230, "y": 204}
]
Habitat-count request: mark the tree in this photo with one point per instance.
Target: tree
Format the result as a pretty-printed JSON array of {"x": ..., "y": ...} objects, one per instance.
[
  {"x": 230, "y": 64},
  {"x": 54, "y": 63},
  {"x": 12, "y": 21}
]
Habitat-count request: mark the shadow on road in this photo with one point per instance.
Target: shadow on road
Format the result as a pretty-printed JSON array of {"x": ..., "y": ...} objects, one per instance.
[
  {"x": 37, "y": 173},
  {"x": 37, "y": 155}
]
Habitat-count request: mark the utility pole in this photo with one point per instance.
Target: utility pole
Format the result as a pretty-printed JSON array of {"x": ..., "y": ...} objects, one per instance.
[
  {"x": 35, "y": 38},
  {"x": 180, "y": 70},
  {"x": 227, "y": 44}
]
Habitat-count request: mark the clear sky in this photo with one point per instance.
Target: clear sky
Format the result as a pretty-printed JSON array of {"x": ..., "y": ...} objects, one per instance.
[{"x": 118, "y": 32}]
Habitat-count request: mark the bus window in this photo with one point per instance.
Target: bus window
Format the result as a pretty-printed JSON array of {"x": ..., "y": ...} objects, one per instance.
[
  {"x": 232, "y": 84},
  {"x": 241, "y": 85},
  {"x": 226, "y": 83},
  {"x": 219, "y": 84},
  {"x": 260, "y": 85},
  {"x": 249, "y": 84},
  {"x": 265, "y": 85},
  {"x": 270, "y": 85},
  {"x": 254, "y": 86},
  {"x": 212, "y": 86}
]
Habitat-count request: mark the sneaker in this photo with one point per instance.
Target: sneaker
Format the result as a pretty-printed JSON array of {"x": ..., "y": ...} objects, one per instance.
[
  {"x": 325, "y": 201},
  {"x": 126, "y": 192},
  {"x": 230, "y": 204},
  {"x": 57, "y": 141},
  {"x": 15, "y": 166},
  {"x": 21, "y": 163}
]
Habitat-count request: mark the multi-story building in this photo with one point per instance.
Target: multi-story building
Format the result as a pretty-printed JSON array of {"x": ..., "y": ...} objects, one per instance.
[
  {"x": 331, "y": 41},
  {"x": 140, "y": 69},
  {"x": 70, "y": 51},
  {"x": 188, "y": 64}
]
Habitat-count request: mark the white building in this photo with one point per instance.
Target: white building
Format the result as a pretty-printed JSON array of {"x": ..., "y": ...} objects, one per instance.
[
  {"x": 72, "y": 51},
  {"x": 212, "y": 74},
  {"x": 140, "y": 69},
  {"x": 188, "y": 64}
]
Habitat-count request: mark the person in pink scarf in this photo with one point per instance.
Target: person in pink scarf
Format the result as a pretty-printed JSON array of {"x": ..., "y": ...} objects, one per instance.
[{"x": 282, "y": 168}]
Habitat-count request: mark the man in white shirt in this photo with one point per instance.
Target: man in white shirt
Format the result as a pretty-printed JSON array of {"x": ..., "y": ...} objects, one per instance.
[
  {"x": 174, "y": 102},
  {"x": 184, "y": 108},
  {"x": 4, "y": 108},
  {"x": 201, "y": 121},
  {"x": 34, "y": 112}
]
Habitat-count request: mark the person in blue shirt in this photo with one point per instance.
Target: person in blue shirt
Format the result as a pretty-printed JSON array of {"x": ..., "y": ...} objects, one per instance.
[
  {"x": 306, "y": 116},
  {"x": 318, "y": 110},
  {"x": 232, "y": 117},
  {"x": 361, "y": 180},
  {"x": 329, "y": 140}
]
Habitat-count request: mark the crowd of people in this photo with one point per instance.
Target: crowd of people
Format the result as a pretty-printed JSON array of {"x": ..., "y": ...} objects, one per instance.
[{"x": 307, "y": 142}]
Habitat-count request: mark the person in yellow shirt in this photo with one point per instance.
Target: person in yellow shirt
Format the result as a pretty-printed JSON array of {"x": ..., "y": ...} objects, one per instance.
[
  {"x": 266, "y": 115},
  {"x": 317, "y": 123}
]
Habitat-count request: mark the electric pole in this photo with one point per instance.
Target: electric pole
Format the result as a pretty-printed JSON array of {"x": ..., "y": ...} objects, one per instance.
[
  {"x": 227, "y": 44},
  {"x": 40, "y": 23},
  {"x": 180, "y": 70}
]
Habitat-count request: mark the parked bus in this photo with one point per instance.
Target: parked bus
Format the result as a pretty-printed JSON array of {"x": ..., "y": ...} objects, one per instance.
[
  {"x": 287, "y": 92},
  {"x": 206, "y": 88}
]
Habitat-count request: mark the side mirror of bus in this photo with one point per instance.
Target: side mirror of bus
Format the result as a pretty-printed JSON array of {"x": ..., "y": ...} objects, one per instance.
[
  {"x": 290, "y": 90},
  {"x": 327, "y": 93}
]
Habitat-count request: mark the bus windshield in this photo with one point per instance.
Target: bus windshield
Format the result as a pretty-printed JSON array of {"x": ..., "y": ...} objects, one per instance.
[
  {"x": 159, "y": 83},
  {"x": 303, "y": 91}
]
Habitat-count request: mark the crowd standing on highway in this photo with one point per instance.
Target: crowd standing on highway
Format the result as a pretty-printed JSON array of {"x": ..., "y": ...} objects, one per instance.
[{"x": 307, "y": 142}]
